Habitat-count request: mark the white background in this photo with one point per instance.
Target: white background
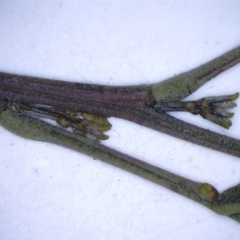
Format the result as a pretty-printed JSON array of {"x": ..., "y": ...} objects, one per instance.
[{"x": 48, "y": 192}]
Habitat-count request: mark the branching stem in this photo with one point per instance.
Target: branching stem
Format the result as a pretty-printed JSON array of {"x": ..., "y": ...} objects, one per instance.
[{"x": 76, "y": 105}]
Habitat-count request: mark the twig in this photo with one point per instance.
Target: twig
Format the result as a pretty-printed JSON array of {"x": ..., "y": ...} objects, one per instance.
[
  {"x": 203, "y": 193},
  {"x": 134, "y": 103},
  {"x": 75, "y": 105}
]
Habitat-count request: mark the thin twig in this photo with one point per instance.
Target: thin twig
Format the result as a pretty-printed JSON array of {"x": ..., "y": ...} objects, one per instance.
[
  {"x": 203, "y": 193},
  {"x": 23, "y": 97},
  {"x": 134, "y": 103}
]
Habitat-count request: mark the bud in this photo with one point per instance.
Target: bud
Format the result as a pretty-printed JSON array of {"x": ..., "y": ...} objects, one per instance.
[{"x": 213, "y": 108}]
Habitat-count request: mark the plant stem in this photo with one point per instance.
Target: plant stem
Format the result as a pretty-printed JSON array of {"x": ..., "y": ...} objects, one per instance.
[
  {"x": 35, "y": 129},
  {"x": 184, "y": 84},
  {"x": 134, "y": 103},
  {"x": 55, "y": 92},
  {"x": 58, "y": 93},
  {"x": 140, "y": 104}
]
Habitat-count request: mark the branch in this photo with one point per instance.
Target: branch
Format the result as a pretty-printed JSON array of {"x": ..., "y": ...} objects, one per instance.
[
  {"x": 82, "y": 110},
  {"x": 34, "y": 129}
]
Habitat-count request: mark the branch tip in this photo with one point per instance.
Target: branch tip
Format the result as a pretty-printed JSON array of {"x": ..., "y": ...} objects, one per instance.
[{"x": 213, "y": 109}]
